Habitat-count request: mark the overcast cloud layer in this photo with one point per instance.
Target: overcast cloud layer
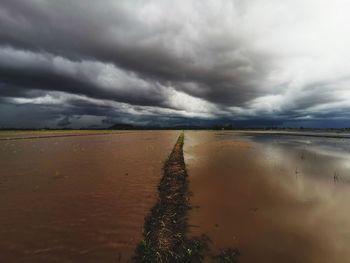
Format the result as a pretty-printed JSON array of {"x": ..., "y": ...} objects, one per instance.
[{"x": 87, "y": 63}]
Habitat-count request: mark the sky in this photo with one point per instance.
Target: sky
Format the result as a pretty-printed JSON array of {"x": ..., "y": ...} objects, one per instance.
[{"x": 91, "y": 64}]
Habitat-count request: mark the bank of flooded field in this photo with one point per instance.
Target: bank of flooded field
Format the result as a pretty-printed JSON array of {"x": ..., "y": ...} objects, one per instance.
[
  {"x": 78, "y": 199},
  {"x": 275, "y": 198},
  {"x": 10, "y": 135}
]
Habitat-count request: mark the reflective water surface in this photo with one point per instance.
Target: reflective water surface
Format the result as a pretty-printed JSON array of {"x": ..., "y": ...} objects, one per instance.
[{"x": 276, "y": 198}]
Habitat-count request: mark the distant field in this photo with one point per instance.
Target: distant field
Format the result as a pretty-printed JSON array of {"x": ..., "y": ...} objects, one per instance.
[{"x": 10, "y": 134}]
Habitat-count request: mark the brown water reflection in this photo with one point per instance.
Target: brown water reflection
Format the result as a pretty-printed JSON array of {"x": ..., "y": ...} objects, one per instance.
[
  {"x": 273, "y": 198},
  {"x": 78, "y": 199}
]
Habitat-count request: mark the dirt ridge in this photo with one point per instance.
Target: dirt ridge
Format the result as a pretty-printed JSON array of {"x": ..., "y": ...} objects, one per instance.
[
  {"x": 165, "y": 228},
  {"x": 164, "y": 237}
]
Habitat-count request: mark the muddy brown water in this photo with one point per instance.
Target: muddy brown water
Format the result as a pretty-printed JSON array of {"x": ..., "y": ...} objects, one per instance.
[
  {"x": 275, "y": 198},
  {"x": 78, "y": 199},
  {"x": 84, "y": 198}
]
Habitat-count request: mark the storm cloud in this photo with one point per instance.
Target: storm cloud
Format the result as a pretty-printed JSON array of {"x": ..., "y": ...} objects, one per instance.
[{"x": 81, "y": 63}]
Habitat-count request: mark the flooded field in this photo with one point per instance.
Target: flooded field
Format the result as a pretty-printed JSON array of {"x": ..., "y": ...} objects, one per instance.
[
  {"x": 77, "y": 198},
  {"x": 82, "y": 196},
  {"x": 276, "y": 198}
]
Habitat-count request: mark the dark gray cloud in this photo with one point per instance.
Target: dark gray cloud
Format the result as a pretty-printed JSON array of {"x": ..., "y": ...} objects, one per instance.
[
  {"x": 193, "y": 60},
  {"x": 64, "y": 122}
]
